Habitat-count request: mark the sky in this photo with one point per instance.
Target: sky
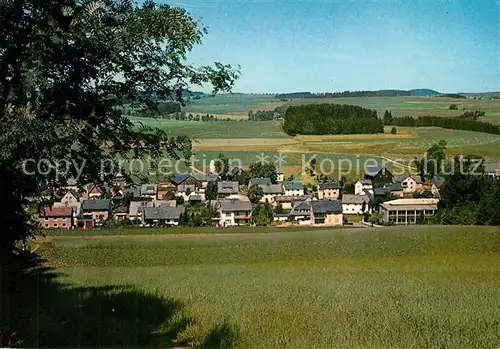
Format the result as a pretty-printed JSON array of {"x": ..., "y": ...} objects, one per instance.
[{"x": 327, "y": 46}]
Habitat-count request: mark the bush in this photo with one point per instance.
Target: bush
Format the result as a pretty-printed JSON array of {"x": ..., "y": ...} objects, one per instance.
[
  {"x": 453, "y": 107},
  {"x": 394, "y": 131}
]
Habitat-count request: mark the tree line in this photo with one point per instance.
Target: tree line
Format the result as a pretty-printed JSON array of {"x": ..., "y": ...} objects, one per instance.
[
  {"x": 331, "y": 119},
  {"x": 463, "y": 122},
  {"x": 378, "y": 93},
  {"x": 266, "y": 115}
]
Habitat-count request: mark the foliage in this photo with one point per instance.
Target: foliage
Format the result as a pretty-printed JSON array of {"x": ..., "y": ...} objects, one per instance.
[
  {"x": 170, "y": 195},
  {"x": 387, "y": 117},
  {"x": 211, "y": 191},
  {"x": 331, "y": 119},
  {"x": 473, "y": 114},
  {"x": 179, "y": 200},
  {"x": 470, "y": 199},
  {"x": 375, "y": 218},
  {"x": 379, "y": 93},
  {"x": 264, "y": 115},
  {"x": 262, "y": 170},
  {"x": 222, "y": 166},
  {"x": 279, "y": 208},
  {"x": 394, "y": 131},
  {"x": 67, "y": 69},
  {"x": 255, "y": 193},
  {"x": 262, "y": 214},
  {"x": 199, "y": 215},
  {"x": 453, "y": 107},
  {"x": 453, "y": 95},
  {"x": 454, "y": 123}
]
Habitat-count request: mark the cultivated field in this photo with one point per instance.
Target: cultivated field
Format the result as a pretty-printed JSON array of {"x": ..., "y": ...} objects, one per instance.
[{"x": 405, "y": 287}]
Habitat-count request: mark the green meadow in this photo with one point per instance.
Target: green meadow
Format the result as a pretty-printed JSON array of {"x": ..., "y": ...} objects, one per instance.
[{"x": 398, "y": 287}]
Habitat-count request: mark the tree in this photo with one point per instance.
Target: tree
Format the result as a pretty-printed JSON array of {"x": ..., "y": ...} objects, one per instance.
[
  {"x": 262, "y": 170},
  {"x": 453, "y": 107},
  {"x": 222, "y": 166},
  {"x": 262, "y": 214},
  {"x": 255, "y": 193},
  {"x": 67, "y": 69},
  {"x": 279, "y": 208},
  {"x": 388, "y": 117},
  {"x": 199, "y": 215},
  {"x": 211, "y": 191},
  {"x": 170, "y": 195},
  {"x": 394, "y": 130}
]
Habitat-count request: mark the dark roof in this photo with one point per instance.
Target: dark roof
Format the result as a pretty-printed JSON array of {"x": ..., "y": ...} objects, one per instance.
[
  {"x": 195, "y": 198},
  {"x": 179, "y": 178},
  {"x": 97, "y": 205},
  {"x": 235, "y": 171},
  {"x": 300, "y": 205},
  {"x": 293, "y": 185},
  {"x": 438, "y": 181},
  {"x": 355, "y": 199},
  {"x": 272, "y": 188},
  {"x": 234, "y": 205},
  {"x": 394, "y": 186},
  {"x": 324, "y": 206},
  {"x": 328, "y": 185},
  {"x": 278, "y": 171},
  {"x": 399, "y": 179},
  {"x": 163, "y": 212},
  {"x": 381, "y": 191},
  {"x": 227, "y": 187},
  {"x": 373, "y": 171},
  {"x": 259, "y": 181}
]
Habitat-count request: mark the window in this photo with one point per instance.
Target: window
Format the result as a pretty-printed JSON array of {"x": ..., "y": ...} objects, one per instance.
[
  {"x": 46, "y": 225},
  {"x": 64, "y": 224},
  {"x": 55, "y": 225}
]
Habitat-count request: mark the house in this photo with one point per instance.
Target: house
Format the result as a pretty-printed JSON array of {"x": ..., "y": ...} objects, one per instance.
[
  {"x": 287, "y": 201},
  {"x": 70, "y": 199},
  {"x": 492, "y": 169},
  {"x": 353, "y": 204},
  {"x": 95, "y": 192},
  {"x": 396, "y": 189},
  {"x": 225, "y": 189},
  {"x": 259, "y": 181},
  {"x": 436, "y": 184},
  {"x": 162, "y": 215},
  {"x": 293, "y": 188},
  {"x": 96, "y": 209},
  {"x": 328, "y": 191},
  {"x": 378, "y": 175},
  {"x": 234, "y": 212},
  {"x": 408, "y": 211},
  {"x": 164, "y": 189},
  {"x": 280, "y": 217},
  {"x": 135, "y": 209},
  {"x": 271, "y": 191},
  {"x": 410, "y": 184},
  {"x": 280, "y": 176},
  {"x": 118, "y": 194},
  {"x": 185, "y": 179},
  {"x": 237, "y": 174},
  {"x": 203, "y": 179},
  {"x": 185, "y": 190},
  {"x": 301, "y": 212},
  {"x": 363, "y": 186},
  {"x": 56, "y": 217},
  {"x": 326, "y": 213},
  {"x": 195, "y": 199}
]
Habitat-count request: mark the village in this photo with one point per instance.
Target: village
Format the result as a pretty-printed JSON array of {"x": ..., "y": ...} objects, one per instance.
[{"x": 377, "y": 198}]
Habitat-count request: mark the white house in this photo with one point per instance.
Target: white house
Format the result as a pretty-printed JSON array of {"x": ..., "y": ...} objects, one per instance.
[
  {"x": 293, "y": 188},
  {"x": 234, "y": 212},
  {"x": 353, "y": 204},
  {"x": 363, "y": 186},
  {"x": 410, "y": 184}
]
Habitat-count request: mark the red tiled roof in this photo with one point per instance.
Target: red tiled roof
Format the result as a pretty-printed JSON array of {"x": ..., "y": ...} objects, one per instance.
[{"x": 57, "y": 211}]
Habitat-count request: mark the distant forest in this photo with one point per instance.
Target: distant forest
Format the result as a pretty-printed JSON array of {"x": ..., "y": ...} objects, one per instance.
[
  {"x": 331, "y": 119},
  {"x": 463, "y": 122},
  {"x": 378, "y": 93}
]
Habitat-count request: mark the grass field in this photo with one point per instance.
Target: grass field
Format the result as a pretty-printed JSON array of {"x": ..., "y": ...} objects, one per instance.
[
  {"x": 400, "y": 287},
  {"x": 238, "y": 104}
]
